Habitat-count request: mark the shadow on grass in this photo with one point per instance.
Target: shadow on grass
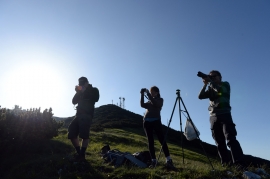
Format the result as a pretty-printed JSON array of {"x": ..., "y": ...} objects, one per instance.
[
  {"x": 32, "y": 159},
  {"x": 77, "y": 170}
]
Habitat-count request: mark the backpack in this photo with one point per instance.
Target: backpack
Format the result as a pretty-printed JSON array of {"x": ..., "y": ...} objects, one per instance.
[
  {"x": 118, "y": 158},
  {"x": 115, "y": 157},
  {"x": 143, "y": 156},
  {"x": 105, "y": 149},
  {"x": 95, "y": 92}
]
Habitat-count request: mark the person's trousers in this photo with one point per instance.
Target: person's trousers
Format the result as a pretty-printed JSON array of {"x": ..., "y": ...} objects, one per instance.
[
  {"x": 150, "y": 128},
  {"x": 223, "y": 129}
]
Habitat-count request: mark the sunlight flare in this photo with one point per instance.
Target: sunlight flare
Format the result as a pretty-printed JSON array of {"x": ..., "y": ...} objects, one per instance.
[{"x": 34, "y": 85}]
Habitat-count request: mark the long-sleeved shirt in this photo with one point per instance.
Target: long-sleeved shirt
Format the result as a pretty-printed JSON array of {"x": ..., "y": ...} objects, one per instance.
[
  {"x": 153, "y": 106},
  {"x": 219, "y": 96},
  {"x": 85, "y": 101}
]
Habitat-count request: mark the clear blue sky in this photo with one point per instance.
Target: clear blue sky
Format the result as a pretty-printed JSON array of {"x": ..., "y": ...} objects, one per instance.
[{"x": 122, "y": 46}]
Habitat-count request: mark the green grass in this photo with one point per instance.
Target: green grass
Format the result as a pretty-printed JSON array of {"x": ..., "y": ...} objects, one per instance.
[{"x": 45, "y": 160}]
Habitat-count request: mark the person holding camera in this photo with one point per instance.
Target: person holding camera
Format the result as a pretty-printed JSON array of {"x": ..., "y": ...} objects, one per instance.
[
  {"x": 80, "y": 125},
  {"x": 222, "y": 125},
  {"x": 152, "y": 123}
]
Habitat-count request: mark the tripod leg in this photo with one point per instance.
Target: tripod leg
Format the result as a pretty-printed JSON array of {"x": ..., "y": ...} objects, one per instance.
[
  {"x": 196, "y": 133},
  {"x": 165, "y": 137},
  {"x": 181, "y": 128}
]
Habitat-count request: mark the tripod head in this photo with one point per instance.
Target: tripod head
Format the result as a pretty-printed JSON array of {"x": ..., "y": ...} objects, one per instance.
[{"x": 178, "y": 93}]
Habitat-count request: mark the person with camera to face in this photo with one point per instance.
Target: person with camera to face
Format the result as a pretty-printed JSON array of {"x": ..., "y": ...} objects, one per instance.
[
  {"x": 222, "y": 125},
  {"x": 80, "y": 125},
  {"x": 152, "y": 123}
]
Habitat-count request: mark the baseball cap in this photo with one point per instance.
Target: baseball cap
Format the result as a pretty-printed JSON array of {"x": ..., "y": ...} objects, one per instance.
[{"x": 82, "y": 80}]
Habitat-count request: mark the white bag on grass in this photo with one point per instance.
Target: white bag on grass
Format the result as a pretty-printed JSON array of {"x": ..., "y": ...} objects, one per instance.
[{"x": 190, "y": 132}]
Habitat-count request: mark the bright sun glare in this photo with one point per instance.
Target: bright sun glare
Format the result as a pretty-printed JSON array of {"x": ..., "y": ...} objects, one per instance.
[{"x": 34, "y": 86}]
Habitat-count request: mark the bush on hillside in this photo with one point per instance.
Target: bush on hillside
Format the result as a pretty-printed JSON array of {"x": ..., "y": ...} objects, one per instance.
[{"x": 19, "y": 125}]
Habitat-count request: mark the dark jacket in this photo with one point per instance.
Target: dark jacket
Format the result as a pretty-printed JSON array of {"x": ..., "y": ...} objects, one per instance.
[
  {"x": 153, "y": 106},
  {"x": 219, "y": 97},
  {"x": 85, "y": 101}
]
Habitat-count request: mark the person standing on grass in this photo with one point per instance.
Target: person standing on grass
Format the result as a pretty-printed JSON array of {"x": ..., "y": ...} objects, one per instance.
[
  {"x": 152, "y": 123},
  {"x": 222, "y": 125},
  {"x": 85, "y": 97}
]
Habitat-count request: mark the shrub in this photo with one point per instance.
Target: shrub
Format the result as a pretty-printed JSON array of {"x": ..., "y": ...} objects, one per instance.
[{"x": 27, "y": 125}]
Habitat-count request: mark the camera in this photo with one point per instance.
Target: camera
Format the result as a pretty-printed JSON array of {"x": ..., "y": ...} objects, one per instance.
[
  {"x": 144, "y": 90},
  {"x": 202, "y": 75}
]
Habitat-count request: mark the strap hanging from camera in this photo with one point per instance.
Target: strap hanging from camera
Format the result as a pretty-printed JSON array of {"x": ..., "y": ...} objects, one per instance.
[{"x": 145, "y": 90}]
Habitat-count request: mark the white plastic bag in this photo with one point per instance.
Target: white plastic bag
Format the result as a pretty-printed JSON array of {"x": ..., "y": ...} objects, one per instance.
[{"x": 190, "y": 132}]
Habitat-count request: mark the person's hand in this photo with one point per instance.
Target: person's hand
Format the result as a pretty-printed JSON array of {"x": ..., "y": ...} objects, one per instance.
[
  {"x": 78, "y": 89},
  {"x": 142, "y": 91},
  {"x": 206, "y": 81}
]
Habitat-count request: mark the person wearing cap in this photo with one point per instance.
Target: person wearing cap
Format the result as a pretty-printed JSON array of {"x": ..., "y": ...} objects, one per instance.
[{"x": 80, "y": 125}]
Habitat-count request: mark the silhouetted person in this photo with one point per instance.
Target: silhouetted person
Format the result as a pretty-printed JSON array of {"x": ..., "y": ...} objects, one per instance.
[
  {"x": 80, "y": 126},
  {"x": 152, "y": 123},
  {"x": 222, "y": 126}
]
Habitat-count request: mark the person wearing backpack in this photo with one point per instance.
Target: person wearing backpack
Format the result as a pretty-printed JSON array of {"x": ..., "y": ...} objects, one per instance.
[
  {"x": 152, "y": 123},
  {"x": 86, "y": 96},
  {"x": 222, "y": 125}
]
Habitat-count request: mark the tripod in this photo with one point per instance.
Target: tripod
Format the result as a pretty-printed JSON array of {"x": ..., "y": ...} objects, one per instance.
[{"x": 179, "y": 99}]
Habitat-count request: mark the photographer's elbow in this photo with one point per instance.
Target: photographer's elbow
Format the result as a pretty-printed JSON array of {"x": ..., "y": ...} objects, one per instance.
[{"x": 143, "y": 105}]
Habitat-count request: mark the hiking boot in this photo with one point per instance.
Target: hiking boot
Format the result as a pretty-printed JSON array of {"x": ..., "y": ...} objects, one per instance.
[
  {"x": 169, "y": 164},
  {"x": 153, "y": 164},
  {"x": 78, "y": 158}
]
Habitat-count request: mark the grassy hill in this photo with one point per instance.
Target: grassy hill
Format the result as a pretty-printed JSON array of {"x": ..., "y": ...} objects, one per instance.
[
  {"x": 122, "y": 130},
  {"x": 112, "y": 116}
]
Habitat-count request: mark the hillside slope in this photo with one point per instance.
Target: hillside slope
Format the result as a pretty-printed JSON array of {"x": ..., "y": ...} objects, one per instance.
[{"x": 112, "y": 116}]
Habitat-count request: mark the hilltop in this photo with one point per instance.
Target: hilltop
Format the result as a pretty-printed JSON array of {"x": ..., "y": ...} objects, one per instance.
[{"x": 112, "y": 116}]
